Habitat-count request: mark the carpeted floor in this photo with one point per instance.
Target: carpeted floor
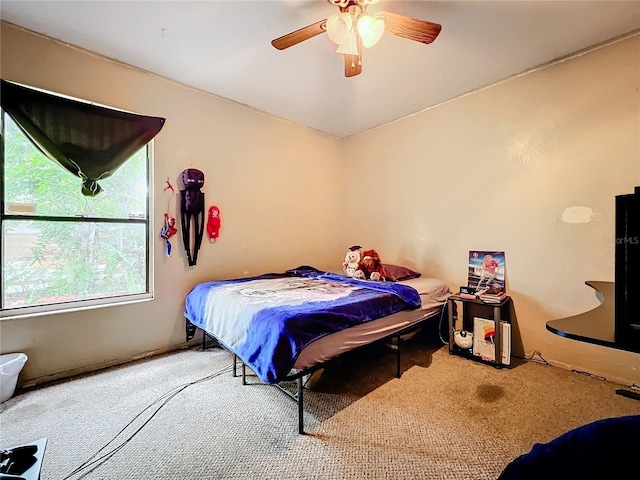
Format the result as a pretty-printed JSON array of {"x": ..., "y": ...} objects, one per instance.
[{"x": 445, "y": 418}]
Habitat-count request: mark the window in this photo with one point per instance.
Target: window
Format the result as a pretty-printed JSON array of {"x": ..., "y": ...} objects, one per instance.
[{"x": 62, "y": 249}]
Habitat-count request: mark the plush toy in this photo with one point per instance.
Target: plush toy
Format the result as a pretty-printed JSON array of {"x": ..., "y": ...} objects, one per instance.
[
  {"x": 370, "y": 267},
  {"x": 192, "y": 208},
  {"x": 363, "y": 265},
  {"x": 351, "y": 261}
]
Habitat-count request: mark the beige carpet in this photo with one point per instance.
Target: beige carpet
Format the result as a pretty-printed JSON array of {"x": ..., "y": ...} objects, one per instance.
[{"x": 445, "y": 418}]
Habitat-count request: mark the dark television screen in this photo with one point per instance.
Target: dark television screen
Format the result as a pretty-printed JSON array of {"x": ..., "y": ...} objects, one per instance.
[{"x": 627, "y": 271}]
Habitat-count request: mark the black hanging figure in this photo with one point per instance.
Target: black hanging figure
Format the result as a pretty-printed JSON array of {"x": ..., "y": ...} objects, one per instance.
[{"x": 192, "y": 205}]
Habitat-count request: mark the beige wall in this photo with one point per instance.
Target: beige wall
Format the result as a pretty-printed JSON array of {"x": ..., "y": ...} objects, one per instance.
[
  {"x": 567, "y": 135},
  {"x": 495, "y": 170},
  {"x": 258, "y": 170}
]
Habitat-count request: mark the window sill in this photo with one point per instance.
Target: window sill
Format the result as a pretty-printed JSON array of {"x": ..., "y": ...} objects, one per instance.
[{"x": 41, "y": 311}]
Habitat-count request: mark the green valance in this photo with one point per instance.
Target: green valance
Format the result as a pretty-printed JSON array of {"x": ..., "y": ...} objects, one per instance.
[{"x": 88, "y": 140}]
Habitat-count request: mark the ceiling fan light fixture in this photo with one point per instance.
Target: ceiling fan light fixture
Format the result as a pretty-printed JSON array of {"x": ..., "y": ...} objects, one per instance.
[
  {"x": 370, "y": 29},
  {"x": 339, "y": 27},
  {"x": 353, "y": 29},
  {"x": 350, "y": 46}
]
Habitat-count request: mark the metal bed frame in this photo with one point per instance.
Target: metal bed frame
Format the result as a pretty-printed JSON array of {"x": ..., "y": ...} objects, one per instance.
[{"x": 298, "y": 377}]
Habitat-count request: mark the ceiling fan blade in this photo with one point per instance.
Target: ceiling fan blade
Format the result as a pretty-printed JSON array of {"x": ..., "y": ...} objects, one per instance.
[
  {"x": 305, "y": 33},
  {"x": 353, "y": 63},
  {"x": 411, "y": 28}
]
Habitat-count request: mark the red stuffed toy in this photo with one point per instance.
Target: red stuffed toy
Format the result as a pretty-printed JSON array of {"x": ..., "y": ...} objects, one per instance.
[
  {"x": 213, "y": 224},
  {"x": 370, "y": 267}
]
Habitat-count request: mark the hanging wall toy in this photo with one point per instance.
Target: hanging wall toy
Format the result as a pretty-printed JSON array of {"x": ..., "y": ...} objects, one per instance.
[
  {"x": 192, "y": 207},
  {"x": 169, "y": 228},
  {"x": 213, "y": 224},
  {"x": 168, "y": 231}
]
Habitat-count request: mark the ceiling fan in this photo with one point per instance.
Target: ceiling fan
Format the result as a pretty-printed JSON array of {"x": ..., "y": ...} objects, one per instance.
[{"x": 352, "y": 29}]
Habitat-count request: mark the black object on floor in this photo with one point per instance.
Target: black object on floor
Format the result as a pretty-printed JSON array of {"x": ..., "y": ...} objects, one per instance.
[
  {"x": 18, "y": 460},
  {"x": 22, "y": 462},
  {"x": 628, "y": 393}
]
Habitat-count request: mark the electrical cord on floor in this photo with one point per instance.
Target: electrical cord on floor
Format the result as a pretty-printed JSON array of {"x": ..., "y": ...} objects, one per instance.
[
  {"x": 588, "y": 374},
  {"x": 540, "y": 359},
  {"x": 444, "y": 307},
  {"x": 633, "y": 386},
  {"x": 164, "y": 399}
]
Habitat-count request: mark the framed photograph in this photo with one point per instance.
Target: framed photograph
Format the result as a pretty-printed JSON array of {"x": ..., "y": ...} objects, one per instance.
[{"x": 486, "y": 271}]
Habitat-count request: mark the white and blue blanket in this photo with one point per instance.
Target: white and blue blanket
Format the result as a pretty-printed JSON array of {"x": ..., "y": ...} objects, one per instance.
[{"x": 268, "y": 320}]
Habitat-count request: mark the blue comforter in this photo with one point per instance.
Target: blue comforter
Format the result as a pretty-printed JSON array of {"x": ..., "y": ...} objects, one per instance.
[{"x": 268, "y": 320}]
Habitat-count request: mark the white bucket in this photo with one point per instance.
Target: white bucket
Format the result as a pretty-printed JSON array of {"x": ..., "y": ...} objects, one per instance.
[{"x": 10, "y": 367}]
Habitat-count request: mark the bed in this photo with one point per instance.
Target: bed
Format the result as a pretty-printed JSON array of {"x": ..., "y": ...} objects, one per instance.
[{"x": 286, "y": 326}]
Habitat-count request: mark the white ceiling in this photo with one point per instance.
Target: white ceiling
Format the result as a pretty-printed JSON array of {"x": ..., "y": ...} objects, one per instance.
[{"x": 223, "y": 47}]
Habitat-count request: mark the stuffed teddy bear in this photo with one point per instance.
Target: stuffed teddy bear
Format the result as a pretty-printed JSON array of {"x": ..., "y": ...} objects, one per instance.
[
  {"x": 351, "y": 261},
  {"x": 371, "y": 267}
]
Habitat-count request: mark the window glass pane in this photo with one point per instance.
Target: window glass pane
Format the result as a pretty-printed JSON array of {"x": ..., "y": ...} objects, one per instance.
[
  {"x": 33, "y": 179},
  {"x": 54, "y": 262}
]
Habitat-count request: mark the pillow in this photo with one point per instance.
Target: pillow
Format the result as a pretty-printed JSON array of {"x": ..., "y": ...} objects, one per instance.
[
  {"x": 397, "y": 272},
  {"x": 431, "y": 290}
]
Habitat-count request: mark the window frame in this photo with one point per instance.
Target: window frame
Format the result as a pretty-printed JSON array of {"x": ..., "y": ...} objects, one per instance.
[{"x": 89, "y": 304}]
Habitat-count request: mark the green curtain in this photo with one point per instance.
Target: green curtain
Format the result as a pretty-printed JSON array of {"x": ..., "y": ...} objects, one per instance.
[{"x": 88, "y": 140}]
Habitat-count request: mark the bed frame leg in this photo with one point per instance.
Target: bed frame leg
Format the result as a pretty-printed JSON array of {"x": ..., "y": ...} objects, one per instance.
[
  {"x": 244, "y": 374},
  {"x": 235, "y": 374},
  {"x": 398, "y": 356},
  {"x": 300, "y": 406}
]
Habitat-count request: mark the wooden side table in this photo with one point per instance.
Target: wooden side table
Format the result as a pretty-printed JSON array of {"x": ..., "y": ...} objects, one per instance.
[{"x": 498, "y": 312}]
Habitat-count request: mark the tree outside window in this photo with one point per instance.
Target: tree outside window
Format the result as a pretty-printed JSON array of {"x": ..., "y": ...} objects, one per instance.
[{"x": 62, "y": 247}]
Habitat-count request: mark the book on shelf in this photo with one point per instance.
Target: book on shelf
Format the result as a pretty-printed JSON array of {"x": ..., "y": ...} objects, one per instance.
[
  {"x": 492, "y": 297},
  {"x": 483, "y": 340},
  {"x": 484, "y": 295},
  {"x": 490, "y": 294},
  {"x": 491, "y": 301}
]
